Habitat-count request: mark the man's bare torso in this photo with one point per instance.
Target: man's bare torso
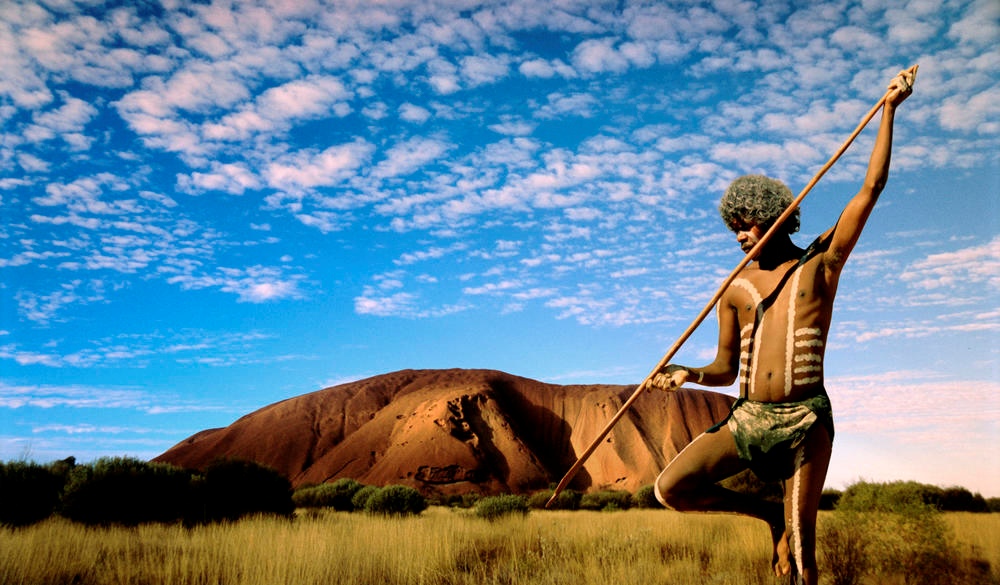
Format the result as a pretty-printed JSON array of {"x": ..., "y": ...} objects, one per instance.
[{"x": 781, "y": 358}]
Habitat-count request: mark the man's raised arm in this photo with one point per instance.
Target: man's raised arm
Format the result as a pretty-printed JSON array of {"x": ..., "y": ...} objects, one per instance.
[{"x": 846, "y": 232}]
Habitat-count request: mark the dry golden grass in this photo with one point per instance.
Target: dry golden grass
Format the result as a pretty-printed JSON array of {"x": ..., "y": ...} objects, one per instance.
[
  {"x": 441, "y": 547},
  {"x": 977, "y": 535}
]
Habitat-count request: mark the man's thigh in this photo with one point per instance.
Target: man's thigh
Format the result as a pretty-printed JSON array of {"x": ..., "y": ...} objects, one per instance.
[{"x": 709, "y": 458}]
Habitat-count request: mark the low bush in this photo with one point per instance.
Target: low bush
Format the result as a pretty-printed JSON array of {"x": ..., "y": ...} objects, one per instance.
[
  {"x": 829, "y": 498},
  {"x": 842, "y": 545},
  {"x": 495, "y": 507},
  {"x": 337, "y": 495},
  {"x": 467, "y": 500},
  {"x": 608, "y": 501},
  {"x": 645, "y": 497},
  {"x": 396, "y": 500},
  {"x": 232, "y": 488},
  {"x": 959, "y": 499},
  {"x": 903, "y": 495},
  {"x": 567, "y": 500},
  {"x": 361, "y": 497},
  {"x": 29, "y": 492},
  {"x": 128, "y": 491},
  {"x": 886, "y": 530}
]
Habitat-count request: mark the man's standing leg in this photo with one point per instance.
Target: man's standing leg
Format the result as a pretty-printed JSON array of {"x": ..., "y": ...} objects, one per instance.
[{"x": 802, "y": 495}]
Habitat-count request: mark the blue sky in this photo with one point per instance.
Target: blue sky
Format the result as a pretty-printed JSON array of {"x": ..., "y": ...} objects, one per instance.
[{"x": 209, "y": 207}]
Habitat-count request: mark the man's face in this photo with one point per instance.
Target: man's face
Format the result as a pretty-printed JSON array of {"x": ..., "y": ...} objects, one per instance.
[{"x": 747, "y": 234}]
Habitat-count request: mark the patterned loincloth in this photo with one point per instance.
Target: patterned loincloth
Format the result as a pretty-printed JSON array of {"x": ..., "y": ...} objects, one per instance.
[{"x": 767, "y": 433}]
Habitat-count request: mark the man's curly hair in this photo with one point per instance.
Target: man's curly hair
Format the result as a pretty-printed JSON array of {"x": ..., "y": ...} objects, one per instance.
[{"x": 759, "y": 200}]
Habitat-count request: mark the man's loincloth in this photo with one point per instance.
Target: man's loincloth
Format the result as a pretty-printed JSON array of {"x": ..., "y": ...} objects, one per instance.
[{"x": 767, "y": 433}]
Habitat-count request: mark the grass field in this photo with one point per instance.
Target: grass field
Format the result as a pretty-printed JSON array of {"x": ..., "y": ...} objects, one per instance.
[{"x": 440, "y": 547}]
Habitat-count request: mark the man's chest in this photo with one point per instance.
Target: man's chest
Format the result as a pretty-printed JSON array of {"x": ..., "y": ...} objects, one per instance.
[{"x": 757, "y": 294}]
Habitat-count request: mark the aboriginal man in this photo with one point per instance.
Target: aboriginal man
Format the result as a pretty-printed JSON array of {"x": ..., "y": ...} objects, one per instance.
[{"x": 774, "y": 320}]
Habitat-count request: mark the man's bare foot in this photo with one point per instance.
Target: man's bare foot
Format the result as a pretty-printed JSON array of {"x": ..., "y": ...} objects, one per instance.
[{"x": 781, "y": 560}]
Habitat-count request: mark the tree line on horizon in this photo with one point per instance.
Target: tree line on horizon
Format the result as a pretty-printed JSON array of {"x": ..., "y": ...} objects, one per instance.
[{"x": 130, "y": 491}]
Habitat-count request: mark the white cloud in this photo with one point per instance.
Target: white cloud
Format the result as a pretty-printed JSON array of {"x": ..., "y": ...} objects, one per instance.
[
  {"x": 979, "y": 26},
  {"x": 492, "y": 288},
  {"x": 545, "y": 69},
  {"x": 979, "y": 112},
  {"x": 872, "y": 404},
  {"x": 580, "y": 104},
  {"x": 69, "y": 396},
  {"x": 978, "y": 265},
  {"x": 277, "y": 108},
  {"x": 233, "y": 178},
  {"x": 309, "y": 169},
  {"x": 43, "y": 308},
  {"x": 855, "y": 37},
  {"x": 600, "y": 56},
  {"x": 373, "y": 303},
  {"x": 432, "y": 253},
  {"x": 253, "y": 284},
  {"x": 483, "y": 69},
  {"x": 513, "y": 127},
  {"x": 410, "y": 156},
  {"x": 66, "y": 122},
  {"x": 414, "y": 113}
]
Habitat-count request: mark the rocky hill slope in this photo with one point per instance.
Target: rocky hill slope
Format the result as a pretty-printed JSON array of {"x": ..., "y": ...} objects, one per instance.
[{"x": 457, "y": 431}]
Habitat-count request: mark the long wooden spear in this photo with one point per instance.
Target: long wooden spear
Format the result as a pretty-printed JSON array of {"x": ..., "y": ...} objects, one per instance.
[{"x": 912, "y": 72}]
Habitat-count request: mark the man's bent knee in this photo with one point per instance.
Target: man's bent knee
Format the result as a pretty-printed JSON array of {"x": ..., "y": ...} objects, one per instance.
[{"x": 671, "y": 495}]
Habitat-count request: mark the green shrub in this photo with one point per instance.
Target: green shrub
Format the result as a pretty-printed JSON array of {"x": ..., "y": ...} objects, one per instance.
[
  {"x": 606, "y": 500},
  {"x": 842, "y": 546},
  {"x": 898, "y": 497},
  {"x": 29, "y": 492},
  {"x": 125, "y": 490},
  {"x": 396, "y": 500},
  {"x": 463, "y": 500},
  {"x": 466, "y": 500},
  {"x": 361, "y": 497},
  {"x": 233, "y": 488},
  {"x": 567, "y": 500},
  {"x": 959, "y": 499},
  {"x": 887, "y": 530},
  {"x": 314, "y": 496},
  {"x": 829, "y": 498},
  {"x": 495, "y": 507},
  {"x": 645, "y": 497},
  {"x": 336, "y": 495}
]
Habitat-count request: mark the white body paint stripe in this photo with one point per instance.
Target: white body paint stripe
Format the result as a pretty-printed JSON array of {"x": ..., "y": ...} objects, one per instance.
[
  {"x": 746, "y": 378},
  {"x": 790, "y": 344},
  {"x": 800, "y": 455},
  {"x": 807, "y": 369}
]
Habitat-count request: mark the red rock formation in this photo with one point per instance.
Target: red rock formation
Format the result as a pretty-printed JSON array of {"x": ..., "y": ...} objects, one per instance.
[{"x": 456, "y": 431}]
